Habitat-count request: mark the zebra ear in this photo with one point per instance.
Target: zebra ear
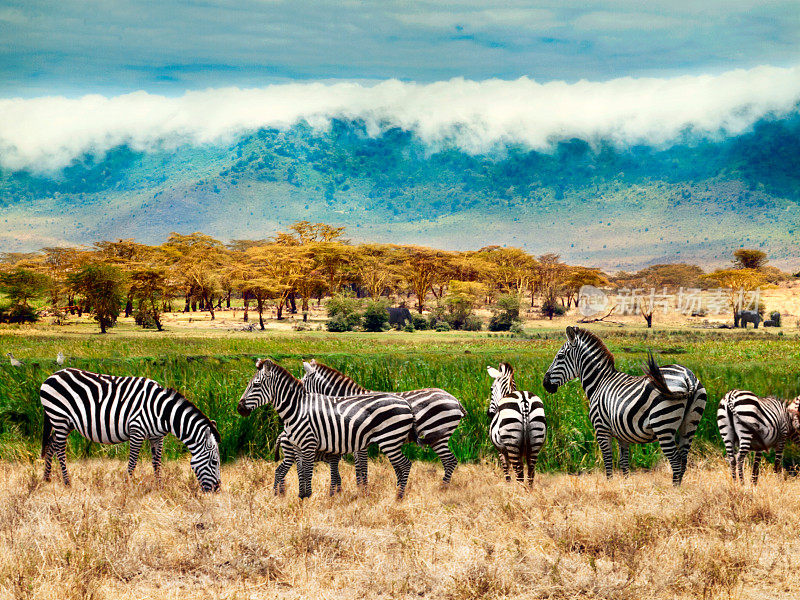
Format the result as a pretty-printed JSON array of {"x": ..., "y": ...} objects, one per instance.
[
  {"x": 493, "y": 373},
  {"x": 308, "y": 367},
  {"x": 571, "y": 334}
]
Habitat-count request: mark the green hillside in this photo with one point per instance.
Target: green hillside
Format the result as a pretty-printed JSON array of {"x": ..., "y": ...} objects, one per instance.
[{"x": 592, "y": 203}]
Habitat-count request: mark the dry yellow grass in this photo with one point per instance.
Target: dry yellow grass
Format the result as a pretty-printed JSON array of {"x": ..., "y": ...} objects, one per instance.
[{"x": 567, "y": 537}]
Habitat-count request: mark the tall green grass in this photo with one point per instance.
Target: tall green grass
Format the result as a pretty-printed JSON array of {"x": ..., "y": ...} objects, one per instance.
[{"x": 213, "y": 371}]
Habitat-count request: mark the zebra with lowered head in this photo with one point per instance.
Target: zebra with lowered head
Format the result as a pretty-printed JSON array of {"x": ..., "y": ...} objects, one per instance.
[
  {"x": 437, "y": 413},
  {"x": 316, "y": 423},
  {"x": 109, "y": 410},
  {"x": 517, "y": 423},
  {"x": 747, "y": 422},
  {"x": 665, "y": 404}
]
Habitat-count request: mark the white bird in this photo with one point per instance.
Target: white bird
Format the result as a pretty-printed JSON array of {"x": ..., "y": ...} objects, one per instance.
[
  {"x": 14, "y": 361},
  {"x": 60, "y": 358}
]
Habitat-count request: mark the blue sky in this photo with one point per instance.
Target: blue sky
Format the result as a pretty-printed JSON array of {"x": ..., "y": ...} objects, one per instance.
[{"x": 73, "y": 47}]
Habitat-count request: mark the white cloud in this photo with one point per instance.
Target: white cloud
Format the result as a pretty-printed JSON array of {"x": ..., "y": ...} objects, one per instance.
[{"x": 45, "y": 134}]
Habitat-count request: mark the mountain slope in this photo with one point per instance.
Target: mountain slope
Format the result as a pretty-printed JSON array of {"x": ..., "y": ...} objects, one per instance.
[{"x": 590, "y": 202}]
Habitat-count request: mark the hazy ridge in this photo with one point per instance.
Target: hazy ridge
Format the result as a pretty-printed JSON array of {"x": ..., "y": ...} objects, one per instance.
[{"x": 592, "y": 201}]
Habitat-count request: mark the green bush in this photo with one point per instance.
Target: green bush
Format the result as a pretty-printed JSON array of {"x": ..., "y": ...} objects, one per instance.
[
  {"x": 472, "y": 323},
  {"x": 419, "y": 322},
  {"x": 19, "y": 313},
  {"x": 344, "y": 313},
  {"x": 376, "y": 316},
  {"x": 506, "y": 313}
]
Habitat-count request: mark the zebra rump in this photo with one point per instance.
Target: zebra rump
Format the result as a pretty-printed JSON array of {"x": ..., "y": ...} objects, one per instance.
[
  {"x": 518, "y": 424},
  {"x": 748, "y": 423}
]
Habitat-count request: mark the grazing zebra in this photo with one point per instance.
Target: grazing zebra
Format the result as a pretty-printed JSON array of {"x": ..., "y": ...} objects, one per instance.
[
  {"x": 316, "y": 423},
  {"x": 665, "y": 404},
  {"x": 436, "y": 413},
  {"x": 517, "y": 423},
  {"x": 109, "y": 410},
  {"x": 747, "y": 422}
]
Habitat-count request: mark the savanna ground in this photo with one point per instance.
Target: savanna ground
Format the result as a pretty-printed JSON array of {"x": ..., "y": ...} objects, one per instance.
[{"x": 572, "y": 535}]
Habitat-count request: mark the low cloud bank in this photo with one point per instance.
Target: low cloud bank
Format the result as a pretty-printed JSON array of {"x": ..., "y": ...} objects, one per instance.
[{"x": 46, "y": 134}]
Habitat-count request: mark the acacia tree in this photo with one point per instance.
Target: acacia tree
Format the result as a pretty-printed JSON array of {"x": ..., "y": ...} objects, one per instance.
[
  {"x": 577, "y": 277},
  {"x": 282, "y": 267},
  {"x": 197, "y": 260},
  {"x": 376, "y": 267},
  {"x": 420, "y": 266},
  {"x": 746, "y": 258},
  {"x": 101, "y": 286},
  {"x": 735, "y": 282},
  {"x": 550, "y": 274},
  {"x": 23, "y": 285},
  {"x": 149, "y": 289}
]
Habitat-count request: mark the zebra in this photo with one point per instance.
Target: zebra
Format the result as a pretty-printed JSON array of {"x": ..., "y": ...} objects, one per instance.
[
  {"x": 110, "y": 409},
  {"x": 747, "y": 422},
  {"x": 517, "y": 423},
  {"x": 317, "y": 423},
  {"x": 437, "y": 413},
  {"x": 665, "y": 404}
]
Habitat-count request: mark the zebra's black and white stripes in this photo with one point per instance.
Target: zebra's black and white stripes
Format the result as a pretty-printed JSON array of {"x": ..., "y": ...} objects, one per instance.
[
  {"x": 665, "y": 405},
  {"x": 517, "y": 423},
  {"x": 437, "y": 413},
  {"x": 315, "y": 423},
  {"x": 749, "y": 423},
  {"x": 110, "y": 409}
]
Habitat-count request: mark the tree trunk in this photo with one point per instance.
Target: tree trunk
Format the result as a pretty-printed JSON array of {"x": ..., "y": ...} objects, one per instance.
[
  {"x": 279, "y": 312},
  {"x": 228, "y": 300},
  {"x": 128, "y": 308},
  {"x": 210, "y": 306},
  {"x": 293, "y": 304},
  {"x": 260, "y": 305}
]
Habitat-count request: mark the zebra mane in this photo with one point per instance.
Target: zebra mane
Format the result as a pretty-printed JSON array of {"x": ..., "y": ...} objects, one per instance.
[
  {"x": 511, "y": 375},
  {"x": 338, "y": 373},
  {"x": 594, "y": 341},
  {"x": 276, "y": 367},
  {"x": 193, "y": 407}
]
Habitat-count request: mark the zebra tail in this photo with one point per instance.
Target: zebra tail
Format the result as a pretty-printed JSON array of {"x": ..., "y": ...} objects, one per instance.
[
  {"x": 656, "y": 377},
  {"x": 47, "y": 433},
  {"x": 278, "y": 446}
]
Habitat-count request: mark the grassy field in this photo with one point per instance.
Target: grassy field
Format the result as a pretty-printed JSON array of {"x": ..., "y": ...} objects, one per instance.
[
  {"x": 212, "y": 368},
  {"x": 566, "y": 537}
]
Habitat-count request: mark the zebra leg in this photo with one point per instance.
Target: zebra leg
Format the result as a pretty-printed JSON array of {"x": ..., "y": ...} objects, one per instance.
[
  {"x": 48, "y": 461},
  {"x": 305, "y": 470},
  {"x": 361, "y": 467},
  {"x": 156, "y": 449},
  {"x": 449, "y": 461},
  {"x": 666, "y": 439},
  {"x": 516, "y": 463},
  {"x": 336, "y": 478},
  {"x": 504, "y": 462},
  {"x": 530, "y": 458},
  {"x": 402, "y": 467},
  {"x": 756, "y": 465},
  {"x": 740, "y": 458},
  {"x": 778, "y": 459},
  {"x": 136, "y": 439},
  {"x": 60, "y": 449},
  {"x": 624, "y": 458},
  {"x": 604, "y": 441},
  {"x": 689, "y": 425},
  {"x": 289, "y": 457}
]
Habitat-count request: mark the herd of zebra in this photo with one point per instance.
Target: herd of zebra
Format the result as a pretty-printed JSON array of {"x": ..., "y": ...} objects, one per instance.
[{"x": 326, "y": 415}]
